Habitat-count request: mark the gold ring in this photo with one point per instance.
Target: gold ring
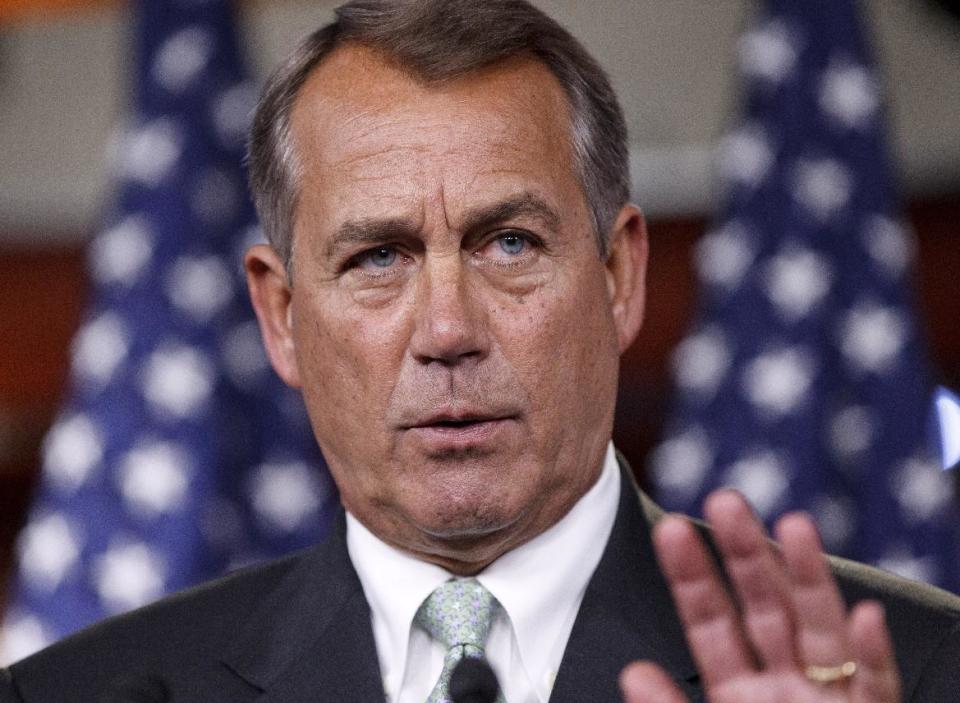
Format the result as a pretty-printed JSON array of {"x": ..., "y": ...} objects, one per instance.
[{"x": 826, "y": 675}]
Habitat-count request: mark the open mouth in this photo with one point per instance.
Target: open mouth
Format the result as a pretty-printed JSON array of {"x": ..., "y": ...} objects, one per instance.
[
  {"x": 459, "y": 424},
  {"x": 446, "y": 431}
]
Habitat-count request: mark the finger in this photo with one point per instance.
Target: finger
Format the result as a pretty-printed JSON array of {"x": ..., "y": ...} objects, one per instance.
[
  {"x": 877, "y": 679},
  {"x": 643, "y": 682},
  {"x": 711, "y": 623},
  {"x": 820, "y": 614},
  {"x": 759, "y": 577}
]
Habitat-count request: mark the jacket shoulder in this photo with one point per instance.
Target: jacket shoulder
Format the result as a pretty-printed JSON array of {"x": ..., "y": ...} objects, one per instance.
[
  {"x": 8, "y": 693},
  {"x": 924, "y": 624},
  {"x": 859, "y": 581},
  {"x": 179, "y": 635}
]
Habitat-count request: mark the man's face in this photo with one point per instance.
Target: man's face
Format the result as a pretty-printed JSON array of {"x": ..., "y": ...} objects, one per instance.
[{"x": 451, "y": 325}]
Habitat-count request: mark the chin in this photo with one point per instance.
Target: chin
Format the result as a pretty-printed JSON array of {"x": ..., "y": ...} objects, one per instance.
[
  {"x": 458, "y": 530},
  {"x": 460, "y": 519}
]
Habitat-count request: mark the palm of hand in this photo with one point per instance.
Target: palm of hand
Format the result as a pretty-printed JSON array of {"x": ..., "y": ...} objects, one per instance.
[{"x": 790, "y": 617}]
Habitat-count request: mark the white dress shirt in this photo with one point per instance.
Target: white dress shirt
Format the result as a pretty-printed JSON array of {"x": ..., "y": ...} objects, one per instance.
[{"x": 539, "y": 584}]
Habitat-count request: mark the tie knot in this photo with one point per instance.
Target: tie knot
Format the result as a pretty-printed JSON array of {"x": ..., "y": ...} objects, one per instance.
[{"x": 460, "y": 612}]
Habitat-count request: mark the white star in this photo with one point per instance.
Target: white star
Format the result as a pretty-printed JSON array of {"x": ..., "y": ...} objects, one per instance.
[
  {"x": 99, "y": 348},
  {"x": 872, "y": 337},
  {"x": 852, "y": 431},
  {"x": 22, "y": 635},
  {"x": 777, "y": 382},
  {"x": 182, "y": 57},
  {"x": 200, "y": 286},
  {"x": 680, "y": 463},
  {"x": 768, "y": 52},
  {"x": 745, "y": 156},
  {"x": 888, "y": 245},
  {"x": 849, "y": 93},
  {"x": 177, "y": 380},
  {"x": 285, "y": 495},
  {"x": 72, "y": 449},
  {"x": 127, "y": 576},
  {"x": 119, "y": 254},
  {"x": 153, "y": 478},
  {"x": 149, "y": 152},
  {"x": 232, "y": 112},
  {"x": 796, "y": 280},
  {"x": 822, "y": 186},
  {"x": 947, "y": 406},
  {"x": 701, "y": 361},
  {"x": 243, "y": 354},
  {"x": 922, "y": 490},
  {"x": 762, "y": 478},
  {"x": 724, "y": 255},
  {"x": 900, "y": 561},
  {"x": 836, "y": 518},
  {"x": 49, "y": 548}
]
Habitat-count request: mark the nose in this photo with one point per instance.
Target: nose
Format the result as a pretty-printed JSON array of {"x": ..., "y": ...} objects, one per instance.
[{"x": 450, "y": 324}]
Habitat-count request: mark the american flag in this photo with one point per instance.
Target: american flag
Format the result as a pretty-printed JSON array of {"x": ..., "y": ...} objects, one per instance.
[
  {"x": 804, "y": 380},
  {"x": 179, "y": 454}
]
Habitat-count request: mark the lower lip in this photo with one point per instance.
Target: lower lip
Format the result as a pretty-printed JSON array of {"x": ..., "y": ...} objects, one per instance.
[{"x": 445, "y": 437}]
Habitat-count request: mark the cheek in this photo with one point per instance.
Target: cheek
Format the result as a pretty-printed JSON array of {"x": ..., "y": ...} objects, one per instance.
[
  {"x": 562, "y": 342},
  {"x": 347, "y": 360}
]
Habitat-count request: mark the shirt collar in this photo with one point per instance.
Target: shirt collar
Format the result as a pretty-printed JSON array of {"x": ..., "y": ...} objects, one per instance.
[
  {"x": 395, "y": 584},
  {"x": 540, "y": 584}
]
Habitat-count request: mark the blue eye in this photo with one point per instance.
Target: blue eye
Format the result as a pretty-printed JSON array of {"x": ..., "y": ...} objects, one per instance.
[
  {"x": 382, "y": 257},
  {"x": 511, "y": 243}
]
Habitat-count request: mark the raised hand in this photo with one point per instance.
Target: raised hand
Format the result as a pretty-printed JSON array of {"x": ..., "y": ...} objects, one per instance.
[{"x": 791, "y": 640}]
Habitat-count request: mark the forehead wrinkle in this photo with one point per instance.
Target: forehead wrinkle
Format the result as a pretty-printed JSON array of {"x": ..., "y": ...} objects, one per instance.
[
  {"x": 367, "y": 138},
  {"x": 386, "y": 154},
  {"x": 378, "y": 131}
]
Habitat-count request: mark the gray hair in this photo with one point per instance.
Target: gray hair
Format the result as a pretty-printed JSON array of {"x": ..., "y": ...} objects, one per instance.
[{"x": 438, "y": 40}]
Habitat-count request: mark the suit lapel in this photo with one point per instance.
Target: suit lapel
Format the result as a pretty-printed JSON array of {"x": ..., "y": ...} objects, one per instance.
[
  {"x": 312, "y": 639},
  {"x": 627, "y": 613}
]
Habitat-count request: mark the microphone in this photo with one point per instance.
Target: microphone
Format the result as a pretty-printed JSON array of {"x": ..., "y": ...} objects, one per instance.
[
  {"x": 473, "y": 681},
  {"x": 137, "y": 689}
]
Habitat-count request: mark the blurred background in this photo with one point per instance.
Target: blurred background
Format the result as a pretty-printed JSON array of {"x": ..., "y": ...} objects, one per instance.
[{"x": 66, "y": 70}]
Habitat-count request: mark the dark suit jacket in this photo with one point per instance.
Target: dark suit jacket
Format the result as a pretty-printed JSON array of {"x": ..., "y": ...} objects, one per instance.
[{"x": 298, "y": 630}]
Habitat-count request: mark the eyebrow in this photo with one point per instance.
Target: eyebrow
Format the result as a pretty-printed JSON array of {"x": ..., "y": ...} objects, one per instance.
[
  {"x": 372, "y": 231},
  {"x": 524, "y": 204}
]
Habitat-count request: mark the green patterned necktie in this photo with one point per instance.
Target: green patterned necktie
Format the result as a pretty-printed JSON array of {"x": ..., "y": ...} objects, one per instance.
[{"x": 458, "y": 614}]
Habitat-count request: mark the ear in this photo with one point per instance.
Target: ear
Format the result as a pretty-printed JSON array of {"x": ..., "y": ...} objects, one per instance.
[
  {"x": 271, "y": 295},
  {"x": 626, "y": 270}
]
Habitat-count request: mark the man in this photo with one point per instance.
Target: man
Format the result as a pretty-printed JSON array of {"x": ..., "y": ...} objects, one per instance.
[{"x": 453, "y": 272}]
